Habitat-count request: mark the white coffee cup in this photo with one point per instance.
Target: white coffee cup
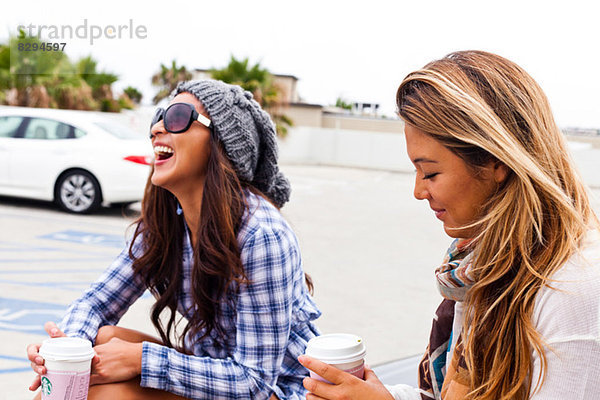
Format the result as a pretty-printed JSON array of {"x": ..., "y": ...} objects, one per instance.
[
  {"x": 68, "y": 361},
  {"x": 341, "y": 350}
]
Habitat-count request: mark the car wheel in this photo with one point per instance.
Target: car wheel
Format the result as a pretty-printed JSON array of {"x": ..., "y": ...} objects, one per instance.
[{"x": 78, "y": 192}]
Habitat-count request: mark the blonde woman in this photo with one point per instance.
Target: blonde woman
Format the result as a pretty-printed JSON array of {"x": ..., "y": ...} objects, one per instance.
[{"x": 520, "y": 317}]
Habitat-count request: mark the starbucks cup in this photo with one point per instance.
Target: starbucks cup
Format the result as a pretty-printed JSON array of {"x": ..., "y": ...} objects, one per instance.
[
  {"x": 68, "y": 361},
  {"x": 341, "y": 350}
]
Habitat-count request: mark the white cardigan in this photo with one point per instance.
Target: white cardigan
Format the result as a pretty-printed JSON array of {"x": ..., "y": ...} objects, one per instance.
[{"x": 568, "y": 318}]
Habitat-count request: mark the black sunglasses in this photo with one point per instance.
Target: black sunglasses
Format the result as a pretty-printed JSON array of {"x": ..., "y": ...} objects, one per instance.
[{"x": 178, "y": 117}]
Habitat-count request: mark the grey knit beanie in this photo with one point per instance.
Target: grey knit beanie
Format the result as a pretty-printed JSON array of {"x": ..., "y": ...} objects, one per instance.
[{"x": 247, "y": 133}]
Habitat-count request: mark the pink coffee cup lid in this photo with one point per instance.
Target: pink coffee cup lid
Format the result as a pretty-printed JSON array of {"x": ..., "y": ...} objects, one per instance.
[
  {"x": 336, "y": 348},
  {"x": 67, "y": 349}
]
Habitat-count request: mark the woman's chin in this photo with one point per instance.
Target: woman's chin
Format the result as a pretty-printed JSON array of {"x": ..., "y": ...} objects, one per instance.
[
  {"x": 453, "y": 231},
  {"x": 458, "y": 233},
  {"x": 158, "y": 180}
]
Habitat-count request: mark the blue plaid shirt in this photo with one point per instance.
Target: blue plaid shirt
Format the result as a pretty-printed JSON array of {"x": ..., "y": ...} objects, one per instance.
[{"x": 267, "y": 331}]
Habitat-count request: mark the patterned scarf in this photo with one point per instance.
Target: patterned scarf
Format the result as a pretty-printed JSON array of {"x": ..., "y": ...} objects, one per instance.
[{"x": 436, "y": 381}]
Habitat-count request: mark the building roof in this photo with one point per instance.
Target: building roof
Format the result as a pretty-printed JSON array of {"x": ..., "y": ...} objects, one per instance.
[{"x": 277, "y": 75}]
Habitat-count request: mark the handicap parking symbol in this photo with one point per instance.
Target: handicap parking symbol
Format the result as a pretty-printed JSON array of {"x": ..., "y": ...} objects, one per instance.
[
  {"x": 88, "y": 238},
  {"x": 28, "y": 316}
]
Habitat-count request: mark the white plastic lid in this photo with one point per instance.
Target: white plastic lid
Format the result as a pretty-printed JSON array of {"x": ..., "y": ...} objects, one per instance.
[
  {"x": 67, "y": 349},
  {"x": 336, "y": 348}
]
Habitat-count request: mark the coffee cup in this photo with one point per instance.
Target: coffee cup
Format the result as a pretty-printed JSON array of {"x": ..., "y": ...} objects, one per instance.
[
  {"x": 341, "y": 350},
  {"x": 68, "y": 361}
]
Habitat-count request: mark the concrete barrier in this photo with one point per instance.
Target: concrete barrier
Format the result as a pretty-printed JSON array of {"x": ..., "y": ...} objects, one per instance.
[{"x": 345, "y": 148}]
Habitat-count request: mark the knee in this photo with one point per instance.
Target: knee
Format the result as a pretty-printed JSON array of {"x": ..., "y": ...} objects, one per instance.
[
  {"x": 105, "y": 333},
  {"x": 109, "y": 390}
]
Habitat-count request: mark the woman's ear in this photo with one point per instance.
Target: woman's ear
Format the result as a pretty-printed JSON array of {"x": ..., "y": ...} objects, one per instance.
[{"x": 501, "y": 171}]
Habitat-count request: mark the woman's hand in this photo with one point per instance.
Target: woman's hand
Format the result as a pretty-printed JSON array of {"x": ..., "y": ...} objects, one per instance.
[
  {"x": 343, "y": 385},
  {"x": 116, "y": 361},
  {"x": 37, "y": 362}
]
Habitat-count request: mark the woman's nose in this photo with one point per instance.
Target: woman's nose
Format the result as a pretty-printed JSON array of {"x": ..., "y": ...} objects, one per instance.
[
  {"x": 156, "y": 129},
  {"x": 420, "y": 191}
]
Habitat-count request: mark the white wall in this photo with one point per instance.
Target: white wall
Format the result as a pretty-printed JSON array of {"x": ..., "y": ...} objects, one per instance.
[{"x": 348, "y": 148}]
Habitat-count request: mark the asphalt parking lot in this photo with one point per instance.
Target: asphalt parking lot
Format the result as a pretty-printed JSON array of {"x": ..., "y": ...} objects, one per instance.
[{"x": 369, "y": 246}]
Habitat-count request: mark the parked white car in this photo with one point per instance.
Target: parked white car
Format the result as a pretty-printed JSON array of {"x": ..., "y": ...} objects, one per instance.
[{"x": 77, "y": 159}]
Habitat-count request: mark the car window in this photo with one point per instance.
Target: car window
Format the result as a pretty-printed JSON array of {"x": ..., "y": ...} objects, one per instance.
[
  {"x": 118, "y": 130},
  {"x": 47, "y": 129},
  {"x": 9, "y": 125},
  {"x": 79, "y": 133}
]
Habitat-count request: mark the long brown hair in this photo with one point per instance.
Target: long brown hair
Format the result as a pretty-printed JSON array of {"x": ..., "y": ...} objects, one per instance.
[
  {"x": 216, "y": 254},
  {"x": 216, "y": 263},
  {"x": 485, "y": 108}
]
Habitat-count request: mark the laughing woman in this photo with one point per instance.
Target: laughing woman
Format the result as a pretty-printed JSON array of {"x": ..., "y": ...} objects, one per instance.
[
  {"x": 520, "y": 317},
  {"x": 211, "y": 246}
]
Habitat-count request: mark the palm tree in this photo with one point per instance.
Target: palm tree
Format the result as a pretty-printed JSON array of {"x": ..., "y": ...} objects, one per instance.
[
  {"x": 5, "y": 76},
  {"x": 50, "y": 79},
  {"x": 341, "y": 103},
  {"x": 134, "y": 94},
  {"x": 167, "y": 78},
  {"x": 260, "y": 82},
  {"x": 24, "y": 74},
  {"x": 69, "y": 90},
  {"x": 99, "y": 82}
]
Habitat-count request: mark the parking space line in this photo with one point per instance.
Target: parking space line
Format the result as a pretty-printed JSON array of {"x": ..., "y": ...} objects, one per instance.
[
  {"x": 71, "y": 286},
  {"x": 17, "y": 369},
  {"x": 21, "y": 247},
  {"x": 61, "y": 218},
  {"x": 46, "y": 260},
  {"x": 27, "y": 315},
  {"x": 56, "y": 271}
]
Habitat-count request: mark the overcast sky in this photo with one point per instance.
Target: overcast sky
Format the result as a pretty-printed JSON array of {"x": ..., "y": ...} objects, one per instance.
[{"x": 357, "y": 50}]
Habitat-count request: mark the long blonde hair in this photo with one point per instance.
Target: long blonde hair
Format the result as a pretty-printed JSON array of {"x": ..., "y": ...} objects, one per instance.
[{"x": 486, "y": 108}]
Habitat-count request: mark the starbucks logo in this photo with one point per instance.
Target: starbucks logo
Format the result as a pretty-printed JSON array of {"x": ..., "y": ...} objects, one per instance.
[{"x": 46, "y": 386}]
